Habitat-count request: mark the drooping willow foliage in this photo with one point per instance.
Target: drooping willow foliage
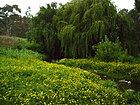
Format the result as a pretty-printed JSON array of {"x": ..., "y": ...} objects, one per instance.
[{"x": 73, "y": 28}]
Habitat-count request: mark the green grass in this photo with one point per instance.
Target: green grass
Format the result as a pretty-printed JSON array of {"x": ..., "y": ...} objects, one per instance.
[{"x": 16, "y": 53}]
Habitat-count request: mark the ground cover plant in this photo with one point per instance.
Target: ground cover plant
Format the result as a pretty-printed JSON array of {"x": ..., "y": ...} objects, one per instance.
[
  {"x": 114, "y": 70},
  {"x": 33, "y": 82},
  {"x": 126, "y": 75},
  {"x": 87, "y": 29}
]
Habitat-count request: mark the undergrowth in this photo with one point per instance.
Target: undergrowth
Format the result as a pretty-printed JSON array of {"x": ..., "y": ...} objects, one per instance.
[
  {"x": 16, "y": 53},
  {"x": 33, "y": 82},
  {"x": 114, "y": 70}
]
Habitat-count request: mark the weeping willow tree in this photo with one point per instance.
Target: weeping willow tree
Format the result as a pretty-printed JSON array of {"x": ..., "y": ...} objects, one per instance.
[
  {"x": 83, "y": 23},
  {"x": 73, "y": 28}
]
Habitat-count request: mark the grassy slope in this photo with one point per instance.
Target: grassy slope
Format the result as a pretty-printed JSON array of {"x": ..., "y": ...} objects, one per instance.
[
  {"x": 26, "y": 80},
  {"x": 32, "y": 82},
  {"x": 8, "y": 41},
  {"x": 114, "y": 70}
]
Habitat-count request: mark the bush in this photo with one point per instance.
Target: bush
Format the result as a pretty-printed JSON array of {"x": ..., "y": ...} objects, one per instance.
[
  {"x": 111, "y": 51},
  {"x": 126, "y": 58},
  {"x": 133, "y": 98},
  {"x": 23, "y": 44},
  {"x": 31, "y": 45}
]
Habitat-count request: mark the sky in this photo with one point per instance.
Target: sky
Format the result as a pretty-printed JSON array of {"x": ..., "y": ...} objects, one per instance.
[{"x": 35, "y": 4}]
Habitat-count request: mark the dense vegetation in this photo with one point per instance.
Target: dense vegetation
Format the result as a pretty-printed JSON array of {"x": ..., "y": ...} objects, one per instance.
[
  {"x": 90, "y": 29},
  {"x": 113, "y": 70},
  {"x": 31, "y": 81},
  {"x": 11, "y": 22},
  {"x": 72, "y": 29}
]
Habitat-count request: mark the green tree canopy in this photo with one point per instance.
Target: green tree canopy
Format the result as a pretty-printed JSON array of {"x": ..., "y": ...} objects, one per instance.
[
  {"x": 11, "y": 23},
  {"x": 78, "y": 25}
]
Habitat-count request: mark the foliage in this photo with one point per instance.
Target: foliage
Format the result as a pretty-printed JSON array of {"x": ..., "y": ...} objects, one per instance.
[
  {"x": 111, "y": 51},
  {"x": 23, "y": 53},
  {"x": 23, "y": 43},
  {"x": 43, "y": 31},
  {"x": 18, "y": 43},
  {"x": 11, "y": 23},
  {"x": 19, "y": 25},
  {"x": 113, "y": 70},
  {"x": 137, "y": 6},
  {"x": 133, "y": 42},
  {"x": 84, "y": 16},
  {"x": 132, "y": 97},
  {"x": 72, "y": 29},
  {"x": 31, "y": 81}
]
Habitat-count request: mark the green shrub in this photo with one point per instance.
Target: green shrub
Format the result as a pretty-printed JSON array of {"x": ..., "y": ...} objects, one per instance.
[
  {"x": 126, "y": 58},
  {"x": 132, "y": 97},
  {"x": 111, "y": 51},
  {"x": 25, "y": 44}
]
